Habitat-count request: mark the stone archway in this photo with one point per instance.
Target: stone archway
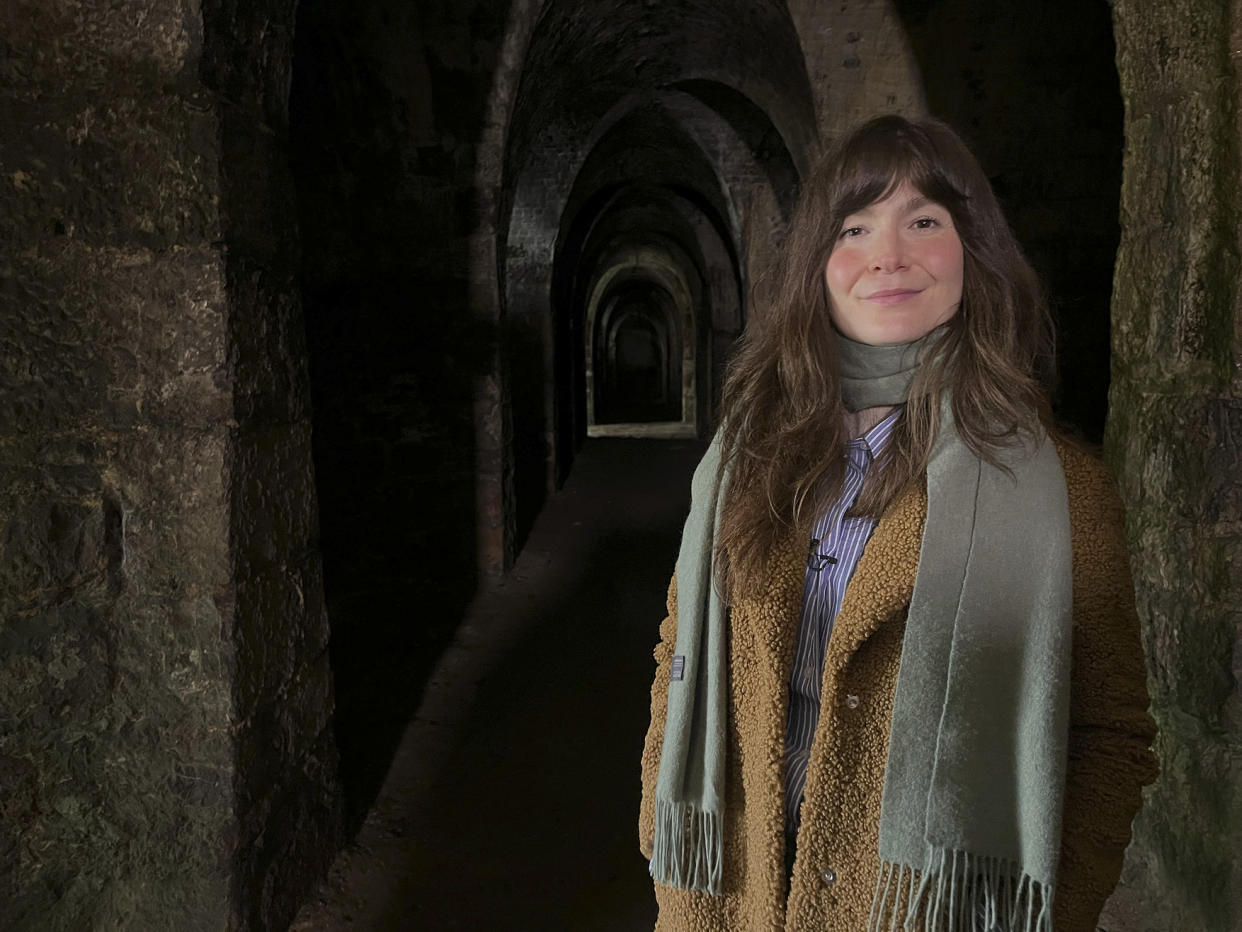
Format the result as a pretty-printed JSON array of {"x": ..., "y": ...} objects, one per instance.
[
  {"x": 636, "y": 353},
  {"x": 661, "y": 288},
  {"x": 547, "y": 148}
]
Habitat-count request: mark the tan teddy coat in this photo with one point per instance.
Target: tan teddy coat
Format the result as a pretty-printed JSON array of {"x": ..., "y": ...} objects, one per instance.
[{"x": 837, "y": 863}]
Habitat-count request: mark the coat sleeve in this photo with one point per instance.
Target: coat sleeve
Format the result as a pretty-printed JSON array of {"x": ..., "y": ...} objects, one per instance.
[
  {"x": 655, "y": 731},
  {"x": 1110, "y": 730}
]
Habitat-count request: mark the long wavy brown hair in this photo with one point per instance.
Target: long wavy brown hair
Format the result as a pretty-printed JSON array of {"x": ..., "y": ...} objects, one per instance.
[{"x": 784, "y": 432}]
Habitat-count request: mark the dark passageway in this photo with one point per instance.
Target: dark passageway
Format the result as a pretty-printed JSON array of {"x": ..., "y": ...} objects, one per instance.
[
  {"x": 327, "y": 332},
  {"x": 515, "y": 786},
  {"x": 482, "y": 294}
]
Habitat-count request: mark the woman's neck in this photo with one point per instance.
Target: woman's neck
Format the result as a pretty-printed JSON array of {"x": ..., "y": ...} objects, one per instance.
[{"x": 858, "y": 423}]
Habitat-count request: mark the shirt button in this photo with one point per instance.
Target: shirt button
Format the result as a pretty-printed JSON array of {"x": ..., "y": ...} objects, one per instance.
[
  {"x": 851, "y": 702},
  {"x": 829, "y": 876}
]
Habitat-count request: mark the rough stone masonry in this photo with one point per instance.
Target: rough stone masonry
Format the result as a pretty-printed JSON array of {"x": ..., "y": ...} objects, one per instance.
[{"x": 165, "y": 699}]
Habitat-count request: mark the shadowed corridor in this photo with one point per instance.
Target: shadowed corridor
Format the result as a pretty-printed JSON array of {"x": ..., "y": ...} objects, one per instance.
[{"x": 516, "y": 785}]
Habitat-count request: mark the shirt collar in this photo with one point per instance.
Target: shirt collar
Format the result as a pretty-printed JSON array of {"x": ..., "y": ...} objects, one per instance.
[{"x": 876, "y": 439}]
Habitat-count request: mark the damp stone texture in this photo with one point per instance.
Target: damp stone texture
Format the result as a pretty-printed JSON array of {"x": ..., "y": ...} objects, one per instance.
[
  {"x": 387, "y": 103},
  {"x": 166, "y": 755},
  {"x": 1174, "y": 438}
]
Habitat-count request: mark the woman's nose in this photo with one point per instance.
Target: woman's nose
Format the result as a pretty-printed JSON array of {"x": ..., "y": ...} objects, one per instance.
[{"x": 889, "y": 255}]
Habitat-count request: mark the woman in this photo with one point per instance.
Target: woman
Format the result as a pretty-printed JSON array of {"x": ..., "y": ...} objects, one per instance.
[{"x": 921, "y": 697}]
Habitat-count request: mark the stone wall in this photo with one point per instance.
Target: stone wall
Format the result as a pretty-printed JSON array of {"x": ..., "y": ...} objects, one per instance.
[
  {"x": 387, "y": 104},
  {"x": 1175, "y": 440},
  {"x": 858, "y": 61},
  {"x": 164, "y": 689},
  {"x": 286, "y": 805}
]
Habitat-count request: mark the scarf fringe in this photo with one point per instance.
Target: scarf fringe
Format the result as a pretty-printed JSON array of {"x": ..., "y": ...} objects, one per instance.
[
  {"x": 688, "y": 847},
  {"x": 959, "y": 892}
]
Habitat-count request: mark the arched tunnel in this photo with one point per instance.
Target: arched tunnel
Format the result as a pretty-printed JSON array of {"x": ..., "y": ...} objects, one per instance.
[
  {"x": 358, "y": 357},
  {"x": 650, "y": 165},
  {"x": 651, "y": 161}
]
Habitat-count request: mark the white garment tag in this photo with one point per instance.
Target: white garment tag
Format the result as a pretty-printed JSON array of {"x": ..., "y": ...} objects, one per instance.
[{"x": 678, "y": 669}]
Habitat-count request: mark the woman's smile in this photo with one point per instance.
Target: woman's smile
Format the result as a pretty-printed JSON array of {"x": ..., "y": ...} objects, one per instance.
[{"x": 894, "y": 295}]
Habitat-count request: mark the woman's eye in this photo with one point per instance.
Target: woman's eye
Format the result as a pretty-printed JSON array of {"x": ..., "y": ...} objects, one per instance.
[
  {"x": 926, "y": 223},
  {"x": 849, "y": 232}
]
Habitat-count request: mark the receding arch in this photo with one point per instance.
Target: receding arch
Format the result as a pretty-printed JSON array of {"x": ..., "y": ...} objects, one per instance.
[
  {"x": 636, "y": 357},
  {"x": 666, "y": 275}
]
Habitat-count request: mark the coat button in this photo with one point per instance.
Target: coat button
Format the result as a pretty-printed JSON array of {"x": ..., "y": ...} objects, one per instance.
[
  {"x": 829, "y": 876},
  {"x": 851, "y": 702}
]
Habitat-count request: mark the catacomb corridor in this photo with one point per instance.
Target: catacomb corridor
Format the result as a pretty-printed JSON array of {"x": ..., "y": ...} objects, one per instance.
[{"x": 353, "y": 361}]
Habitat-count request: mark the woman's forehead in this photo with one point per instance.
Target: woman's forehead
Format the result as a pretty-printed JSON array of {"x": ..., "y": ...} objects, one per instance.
[{"x": 898, "y": 190}]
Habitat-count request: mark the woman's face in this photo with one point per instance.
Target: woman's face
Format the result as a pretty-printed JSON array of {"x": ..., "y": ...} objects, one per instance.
[{"x": 895, "y": 272}]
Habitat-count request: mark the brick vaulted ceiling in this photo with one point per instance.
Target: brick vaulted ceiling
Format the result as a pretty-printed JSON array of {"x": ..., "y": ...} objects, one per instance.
[{"x": 585, "y": 58}]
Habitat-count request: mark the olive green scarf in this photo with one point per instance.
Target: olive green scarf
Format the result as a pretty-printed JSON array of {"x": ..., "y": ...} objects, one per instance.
[{"x": 971, "y": 812}]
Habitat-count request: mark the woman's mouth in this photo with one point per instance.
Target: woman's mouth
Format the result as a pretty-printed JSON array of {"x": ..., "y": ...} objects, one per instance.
[{"x": 892, "y": 295}]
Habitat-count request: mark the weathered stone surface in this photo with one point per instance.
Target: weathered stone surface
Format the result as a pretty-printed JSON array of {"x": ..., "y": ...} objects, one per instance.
[
  {"x": 157, "y": 507},
  {"x": 383, "y": 125},
  {"x": 113, "y": 572},
  {"x": 115, "y": 707},
  {"x": 83, "y": 46},
  {"x": 1166, "y": 51},
  {"x": 859, "y": 61},
  {"x": 1181, "y": 325},
  {"x": 1175, "y": 439},
  {"x": 291, "y": 829},
  {"x": 283, "y": 682},
  {"x": 1186, "y": 486},
  {"x": 114, "y": 171},
  {"x": 87, "y": 335},
  {"x": 247, "y": 59},
  {"x": 287, "y": 803}
]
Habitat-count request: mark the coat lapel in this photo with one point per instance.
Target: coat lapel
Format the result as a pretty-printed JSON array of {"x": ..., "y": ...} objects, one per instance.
[
  {"x": 764, "y": 629},
  {"x": 884, "y": 579},
  {"x": 782, "y": 606},
  {"x": 880, "y": 588}
]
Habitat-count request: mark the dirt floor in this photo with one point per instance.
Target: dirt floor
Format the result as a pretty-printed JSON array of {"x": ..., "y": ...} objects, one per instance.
[{"x": 512, "y": 801}]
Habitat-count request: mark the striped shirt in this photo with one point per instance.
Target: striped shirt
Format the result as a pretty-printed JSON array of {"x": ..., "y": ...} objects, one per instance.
[{"x": 835, "y": 547}]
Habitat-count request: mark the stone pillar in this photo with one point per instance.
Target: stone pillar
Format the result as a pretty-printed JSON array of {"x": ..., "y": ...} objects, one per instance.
[
  {"x": 1174, "y": 438},
  {"x": 165, "y": 700},
  {"x": 286, "y": 806}
]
